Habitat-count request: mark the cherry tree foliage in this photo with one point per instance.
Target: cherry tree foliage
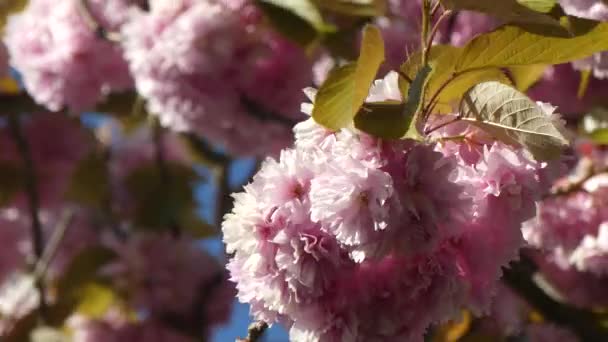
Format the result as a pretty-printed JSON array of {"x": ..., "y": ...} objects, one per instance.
[{"x": 426, "y": 170}]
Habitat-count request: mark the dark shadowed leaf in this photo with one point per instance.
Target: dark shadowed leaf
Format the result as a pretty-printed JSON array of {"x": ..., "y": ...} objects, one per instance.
[{"x": 363, "y": 8}]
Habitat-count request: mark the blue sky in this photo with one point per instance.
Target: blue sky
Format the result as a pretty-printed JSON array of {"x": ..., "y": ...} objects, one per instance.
[
  {"x": 237, "y": 327},
  {"x": 240, "y": 170}
]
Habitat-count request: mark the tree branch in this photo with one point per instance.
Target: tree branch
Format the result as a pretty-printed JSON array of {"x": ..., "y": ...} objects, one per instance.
[
  {"x": 31, "y": 187},
  {"x": 519, "y": 276}
]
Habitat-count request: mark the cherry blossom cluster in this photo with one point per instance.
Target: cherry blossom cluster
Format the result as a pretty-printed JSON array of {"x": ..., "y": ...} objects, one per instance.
[
  {"x": 63, "y": 60},
  {"x": 570, "y": 231},
  {"x": 348, "y": 237},
  {"x": 213, "y": 67}
]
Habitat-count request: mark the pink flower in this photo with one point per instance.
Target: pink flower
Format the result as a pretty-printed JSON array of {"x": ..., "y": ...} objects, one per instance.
[
  {"x": 349, "y": 237},
  {"x": 572, "y": 227},
  {"x": 63, "y": 62},
  {"x": 168, "y": 276},
  {"x": 469, "y": 24},
  {"x": 212, "y": 68},
  {"x": 54, "y": 159}
]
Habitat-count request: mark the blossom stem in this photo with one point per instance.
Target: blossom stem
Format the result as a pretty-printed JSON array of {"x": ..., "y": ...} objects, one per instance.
[
  {"x": 424, "y": 31},
  {"x": 429, "y": 44},
  {"x": 31, "y": 187},
  {"x": 442, "y": 125}
]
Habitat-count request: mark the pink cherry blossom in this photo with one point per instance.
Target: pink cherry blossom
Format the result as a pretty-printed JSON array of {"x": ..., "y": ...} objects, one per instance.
[
  {"x": 54, "y": 159},
  {"x": 64, "y": 63},
  {"x": 213, "y": 68},
  {"x": 168, "y": 276},
  {"x": 349, "y": 237}
]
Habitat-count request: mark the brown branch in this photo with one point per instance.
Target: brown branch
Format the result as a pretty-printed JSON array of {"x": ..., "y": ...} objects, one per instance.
[
  {"x": 31, "y": 187},
  {"x": 255, "y": 332},
  {"x": 519, "y": 277}
]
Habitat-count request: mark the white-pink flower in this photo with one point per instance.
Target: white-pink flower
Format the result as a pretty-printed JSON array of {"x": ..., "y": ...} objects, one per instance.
[{"x": 63, "y": 61}]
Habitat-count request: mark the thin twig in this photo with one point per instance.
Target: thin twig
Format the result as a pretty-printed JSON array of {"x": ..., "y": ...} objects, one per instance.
[
  {"x": 223, "y": 201},
  {"x": 424, "y": 31},
  {"x": 255, "y": 332},
  {"x": 429, "y": 43},
  {"x": 586, "y": 169},
  {"x": 166, "y": 180},
  {"x": 435, "y": 9},
  {"x": 94, "y": 24},
  {"x": 54, "y": 242},
  {"x": 435, "y": 98},
  {"x": 442, "y": 125},
  {"x": 31, "y": 187},
  {"x": 447, "y": 37}
]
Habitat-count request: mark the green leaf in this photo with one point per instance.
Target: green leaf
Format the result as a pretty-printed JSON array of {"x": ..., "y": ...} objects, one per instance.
[
  {"x": 384, "y": 119},
  {"x": 83, "y": 270},
  {"x": 11, "y": 181},
  {"x": 358, "y": 8},
  {"x": 512, "y": 117},
  {"x": 584, "y": 83},
  {"x": 298, "y": 20},
  {"x": 415, "y": 101},
  {"x": 197, "y": 228},
  {"x": 544, "y": 6},
  {"x": 90, "y": 184},
  {"x": 442, "y": 58},
  {"x": 600, "y": 136},
  {"x": 512, "y": 46},
  {"x": 346, "y": 88},
  {"x": 304, "y": 9},
  {"x": 159, "y": 205},
  {"x": 512, "y": 11},
  {"x": 526, "y": 76},
  {"x": 394, "y": 120},
  {"x": 96, "y": 299}
]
